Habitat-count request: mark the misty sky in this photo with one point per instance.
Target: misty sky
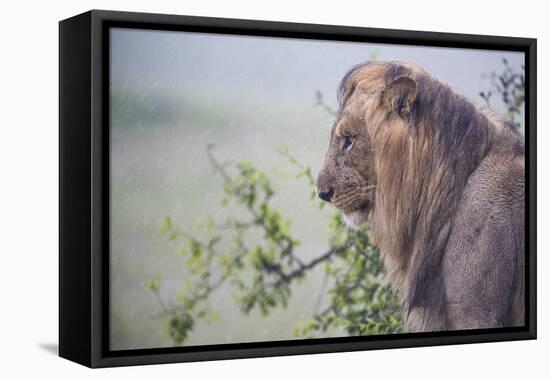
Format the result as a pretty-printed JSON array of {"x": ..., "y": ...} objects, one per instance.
[{"x": 279, "y": 69}]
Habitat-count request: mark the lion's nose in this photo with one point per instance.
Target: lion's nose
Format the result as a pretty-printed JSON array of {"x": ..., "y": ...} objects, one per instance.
[{"x": 326, "y": 195}]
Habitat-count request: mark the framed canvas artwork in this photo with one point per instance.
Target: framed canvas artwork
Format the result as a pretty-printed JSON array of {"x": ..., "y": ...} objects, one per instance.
[{"x": 234, "y": 188}]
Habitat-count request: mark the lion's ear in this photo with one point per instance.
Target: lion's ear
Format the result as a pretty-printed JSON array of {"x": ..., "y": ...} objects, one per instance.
[{"x": 399, "y": 95}]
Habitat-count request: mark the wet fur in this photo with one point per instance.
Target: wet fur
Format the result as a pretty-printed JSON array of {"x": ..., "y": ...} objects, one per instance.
[{"x": 446, "y": 196}]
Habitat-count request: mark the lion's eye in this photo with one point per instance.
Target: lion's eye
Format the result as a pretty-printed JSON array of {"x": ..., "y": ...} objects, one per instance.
[{"x": 348, "y": 142}]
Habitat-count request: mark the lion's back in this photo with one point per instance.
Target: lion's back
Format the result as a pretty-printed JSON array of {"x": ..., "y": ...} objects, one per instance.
[{"x": 484, "y": 259}]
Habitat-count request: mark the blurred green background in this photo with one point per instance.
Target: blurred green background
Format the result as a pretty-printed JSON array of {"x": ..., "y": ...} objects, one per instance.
[{"x": 172, "y": 94}]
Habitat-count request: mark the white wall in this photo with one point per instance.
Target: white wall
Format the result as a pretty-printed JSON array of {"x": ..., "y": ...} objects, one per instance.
[{"x": 28, "y": 158}]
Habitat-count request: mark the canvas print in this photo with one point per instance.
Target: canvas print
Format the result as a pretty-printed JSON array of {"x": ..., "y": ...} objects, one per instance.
[{"x": 266, "y": 189}]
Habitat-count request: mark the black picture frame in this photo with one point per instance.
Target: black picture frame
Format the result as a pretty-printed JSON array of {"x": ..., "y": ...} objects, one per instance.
[{"x": 84, "y": 187}]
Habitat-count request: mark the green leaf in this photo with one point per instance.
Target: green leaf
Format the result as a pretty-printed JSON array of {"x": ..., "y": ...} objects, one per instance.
[{"x": 154, "y": 284}]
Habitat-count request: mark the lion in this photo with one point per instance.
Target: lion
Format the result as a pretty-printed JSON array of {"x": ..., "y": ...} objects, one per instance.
[{"x": 442, "y": 181}]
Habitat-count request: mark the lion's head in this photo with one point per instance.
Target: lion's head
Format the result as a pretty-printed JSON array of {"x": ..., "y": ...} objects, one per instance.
[{"x": 375, "y": 101}]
